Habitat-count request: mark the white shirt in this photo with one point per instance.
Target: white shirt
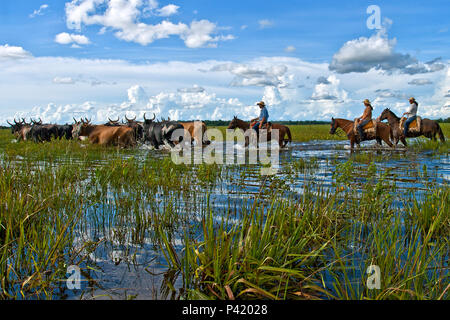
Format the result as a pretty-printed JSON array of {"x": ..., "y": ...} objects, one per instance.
[{"x": 412, "y": 111}]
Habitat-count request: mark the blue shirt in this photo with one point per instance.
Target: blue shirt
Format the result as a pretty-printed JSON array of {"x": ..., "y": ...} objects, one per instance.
[{"x": 264, "y": 114}]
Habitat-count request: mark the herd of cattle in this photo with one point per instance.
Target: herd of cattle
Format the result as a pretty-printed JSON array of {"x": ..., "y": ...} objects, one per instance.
[{"x": 124, "y": 134}]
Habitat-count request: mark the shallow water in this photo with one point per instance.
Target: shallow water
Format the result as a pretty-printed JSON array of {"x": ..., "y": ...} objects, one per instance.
[{"x": 121, "y": 269}]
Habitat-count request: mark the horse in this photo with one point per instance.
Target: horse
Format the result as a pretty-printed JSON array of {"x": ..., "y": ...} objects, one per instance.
[
  {"x": 284, "y": 130},
  {"x": 428, "y": 128},
  {"x": 383, "y": 132}
]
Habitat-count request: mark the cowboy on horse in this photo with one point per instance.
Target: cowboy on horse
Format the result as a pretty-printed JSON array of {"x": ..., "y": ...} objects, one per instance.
[
  {"x": 258, "y": 123},
  {"x": 411, "y": 115},
  {"x": 365, "y": 119}
]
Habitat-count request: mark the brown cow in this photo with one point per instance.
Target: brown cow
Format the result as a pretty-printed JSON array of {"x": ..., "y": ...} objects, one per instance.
[
  {"x": 104, "y": 135},
  {"x": 197, "y": 131}
]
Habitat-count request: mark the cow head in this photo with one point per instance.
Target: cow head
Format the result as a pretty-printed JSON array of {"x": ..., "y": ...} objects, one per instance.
[{"x": 16, "y": 126}]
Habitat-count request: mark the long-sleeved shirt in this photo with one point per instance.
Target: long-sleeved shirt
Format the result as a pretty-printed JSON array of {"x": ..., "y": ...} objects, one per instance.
[
  {"x": 412, "y": 111},
  {"x": 367, "y": 115}
]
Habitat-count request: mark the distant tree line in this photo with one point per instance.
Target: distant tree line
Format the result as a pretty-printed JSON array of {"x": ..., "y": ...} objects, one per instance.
[{"x": 223, "y": 123}]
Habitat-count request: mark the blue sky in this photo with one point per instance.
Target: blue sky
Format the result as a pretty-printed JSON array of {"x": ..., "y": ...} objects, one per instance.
[{"x": 230, "y": 54}]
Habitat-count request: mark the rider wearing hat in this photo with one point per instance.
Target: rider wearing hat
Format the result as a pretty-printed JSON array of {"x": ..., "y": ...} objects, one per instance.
[
  {"x": 365, "y": 118},
  {"x": 263, "y": 117},
  {"x": 411, "y": 114}
]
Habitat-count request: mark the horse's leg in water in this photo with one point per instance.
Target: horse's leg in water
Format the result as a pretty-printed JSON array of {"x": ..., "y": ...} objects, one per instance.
[
  {"x": 403, "y": 140},
  {"x": 388, "y": 141}
]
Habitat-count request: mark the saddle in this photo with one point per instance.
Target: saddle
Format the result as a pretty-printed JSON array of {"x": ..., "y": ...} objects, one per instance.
[
  {"x": 370, "y": 129},
  {"x": 267, "y": 126},
  {"x": 413, "y": 127}
]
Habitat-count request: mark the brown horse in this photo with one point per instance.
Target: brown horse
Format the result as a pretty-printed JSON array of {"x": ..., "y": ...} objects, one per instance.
[
  {"x": 284, "y": 130},
  {"x": 428, "y": 128},
  {"x": 383, "y": 132}
]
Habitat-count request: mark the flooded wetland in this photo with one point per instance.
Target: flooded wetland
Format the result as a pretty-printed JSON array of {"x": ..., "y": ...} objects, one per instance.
[{"x": 138, "y": 226}]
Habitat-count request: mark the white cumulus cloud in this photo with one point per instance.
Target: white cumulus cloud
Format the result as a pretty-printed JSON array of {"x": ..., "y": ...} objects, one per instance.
[
  {"x": 124, "y": 18},
  {"x": 76, "y": 39},
  {"x": 12, "y": 52}
]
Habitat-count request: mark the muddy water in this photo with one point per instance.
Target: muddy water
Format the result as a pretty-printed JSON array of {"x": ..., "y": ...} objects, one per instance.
[{"x": 119, "y": 269}]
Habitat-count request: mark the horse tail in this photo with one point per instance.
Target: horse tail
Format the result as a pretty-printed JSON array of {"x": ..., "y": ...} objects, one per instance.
[{"x": 441, "y": 134}]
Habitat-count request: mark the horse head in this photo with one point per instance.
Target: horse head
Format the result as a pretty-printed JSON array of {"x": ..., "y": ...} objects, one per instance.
[
  {"x": 233, "y": 124},
  {"x": 333, "y": 126},
  {"x": 386, "y": 114}
]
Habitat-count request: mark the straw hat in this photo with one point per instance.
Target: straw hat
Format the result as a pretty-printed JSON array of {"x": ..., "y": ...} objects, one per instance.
[
  {"x": 366, "y": 101},
  {"x": 261, "y": 104},
  {"x": 412, "y": 99}
]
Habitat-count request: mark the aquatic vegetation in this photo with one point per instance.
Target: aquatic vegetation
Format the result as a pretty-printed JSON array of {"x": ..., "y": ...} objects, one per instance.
[{"x": 220, "y": 231}]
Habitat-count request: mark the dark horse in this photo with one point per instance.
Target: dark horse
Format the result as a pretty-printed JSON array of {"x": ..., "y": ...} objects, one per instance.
[
  {"x": 428, "y": 128},
  {"x": 383, "y": 132},
  {"x": 241, "y": 124}
]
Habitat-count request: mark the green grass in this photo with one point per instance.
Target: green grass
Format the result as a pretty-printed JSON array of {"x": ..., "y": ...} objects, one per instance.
[
  {"x": 62, "y": 200},
  {"x": 304, "y": 133}
]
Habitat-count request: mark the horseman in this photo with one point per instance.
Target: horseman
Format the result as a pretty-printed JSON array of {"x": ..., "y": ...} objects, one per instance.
[
  {"x": 411, "y": 114},
  {"x": 365, "y": 119},
  {"x": 263, "y": 118}
]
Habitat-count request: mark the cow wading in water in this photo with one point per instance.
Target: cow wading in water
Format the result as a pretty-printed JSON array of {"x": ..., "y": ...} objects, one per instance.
[
  {"x": 103, "y": 135},
  {"x": 163, "y": 133}
]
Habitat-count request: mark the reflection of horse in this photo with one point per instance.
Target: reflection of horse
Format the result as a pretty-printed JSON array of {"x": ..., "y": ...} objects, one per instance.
[
  {"x": 283, "y": 130},
  {"x": 382, "y": 131},
  {"x": 428, "y": 128}
]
